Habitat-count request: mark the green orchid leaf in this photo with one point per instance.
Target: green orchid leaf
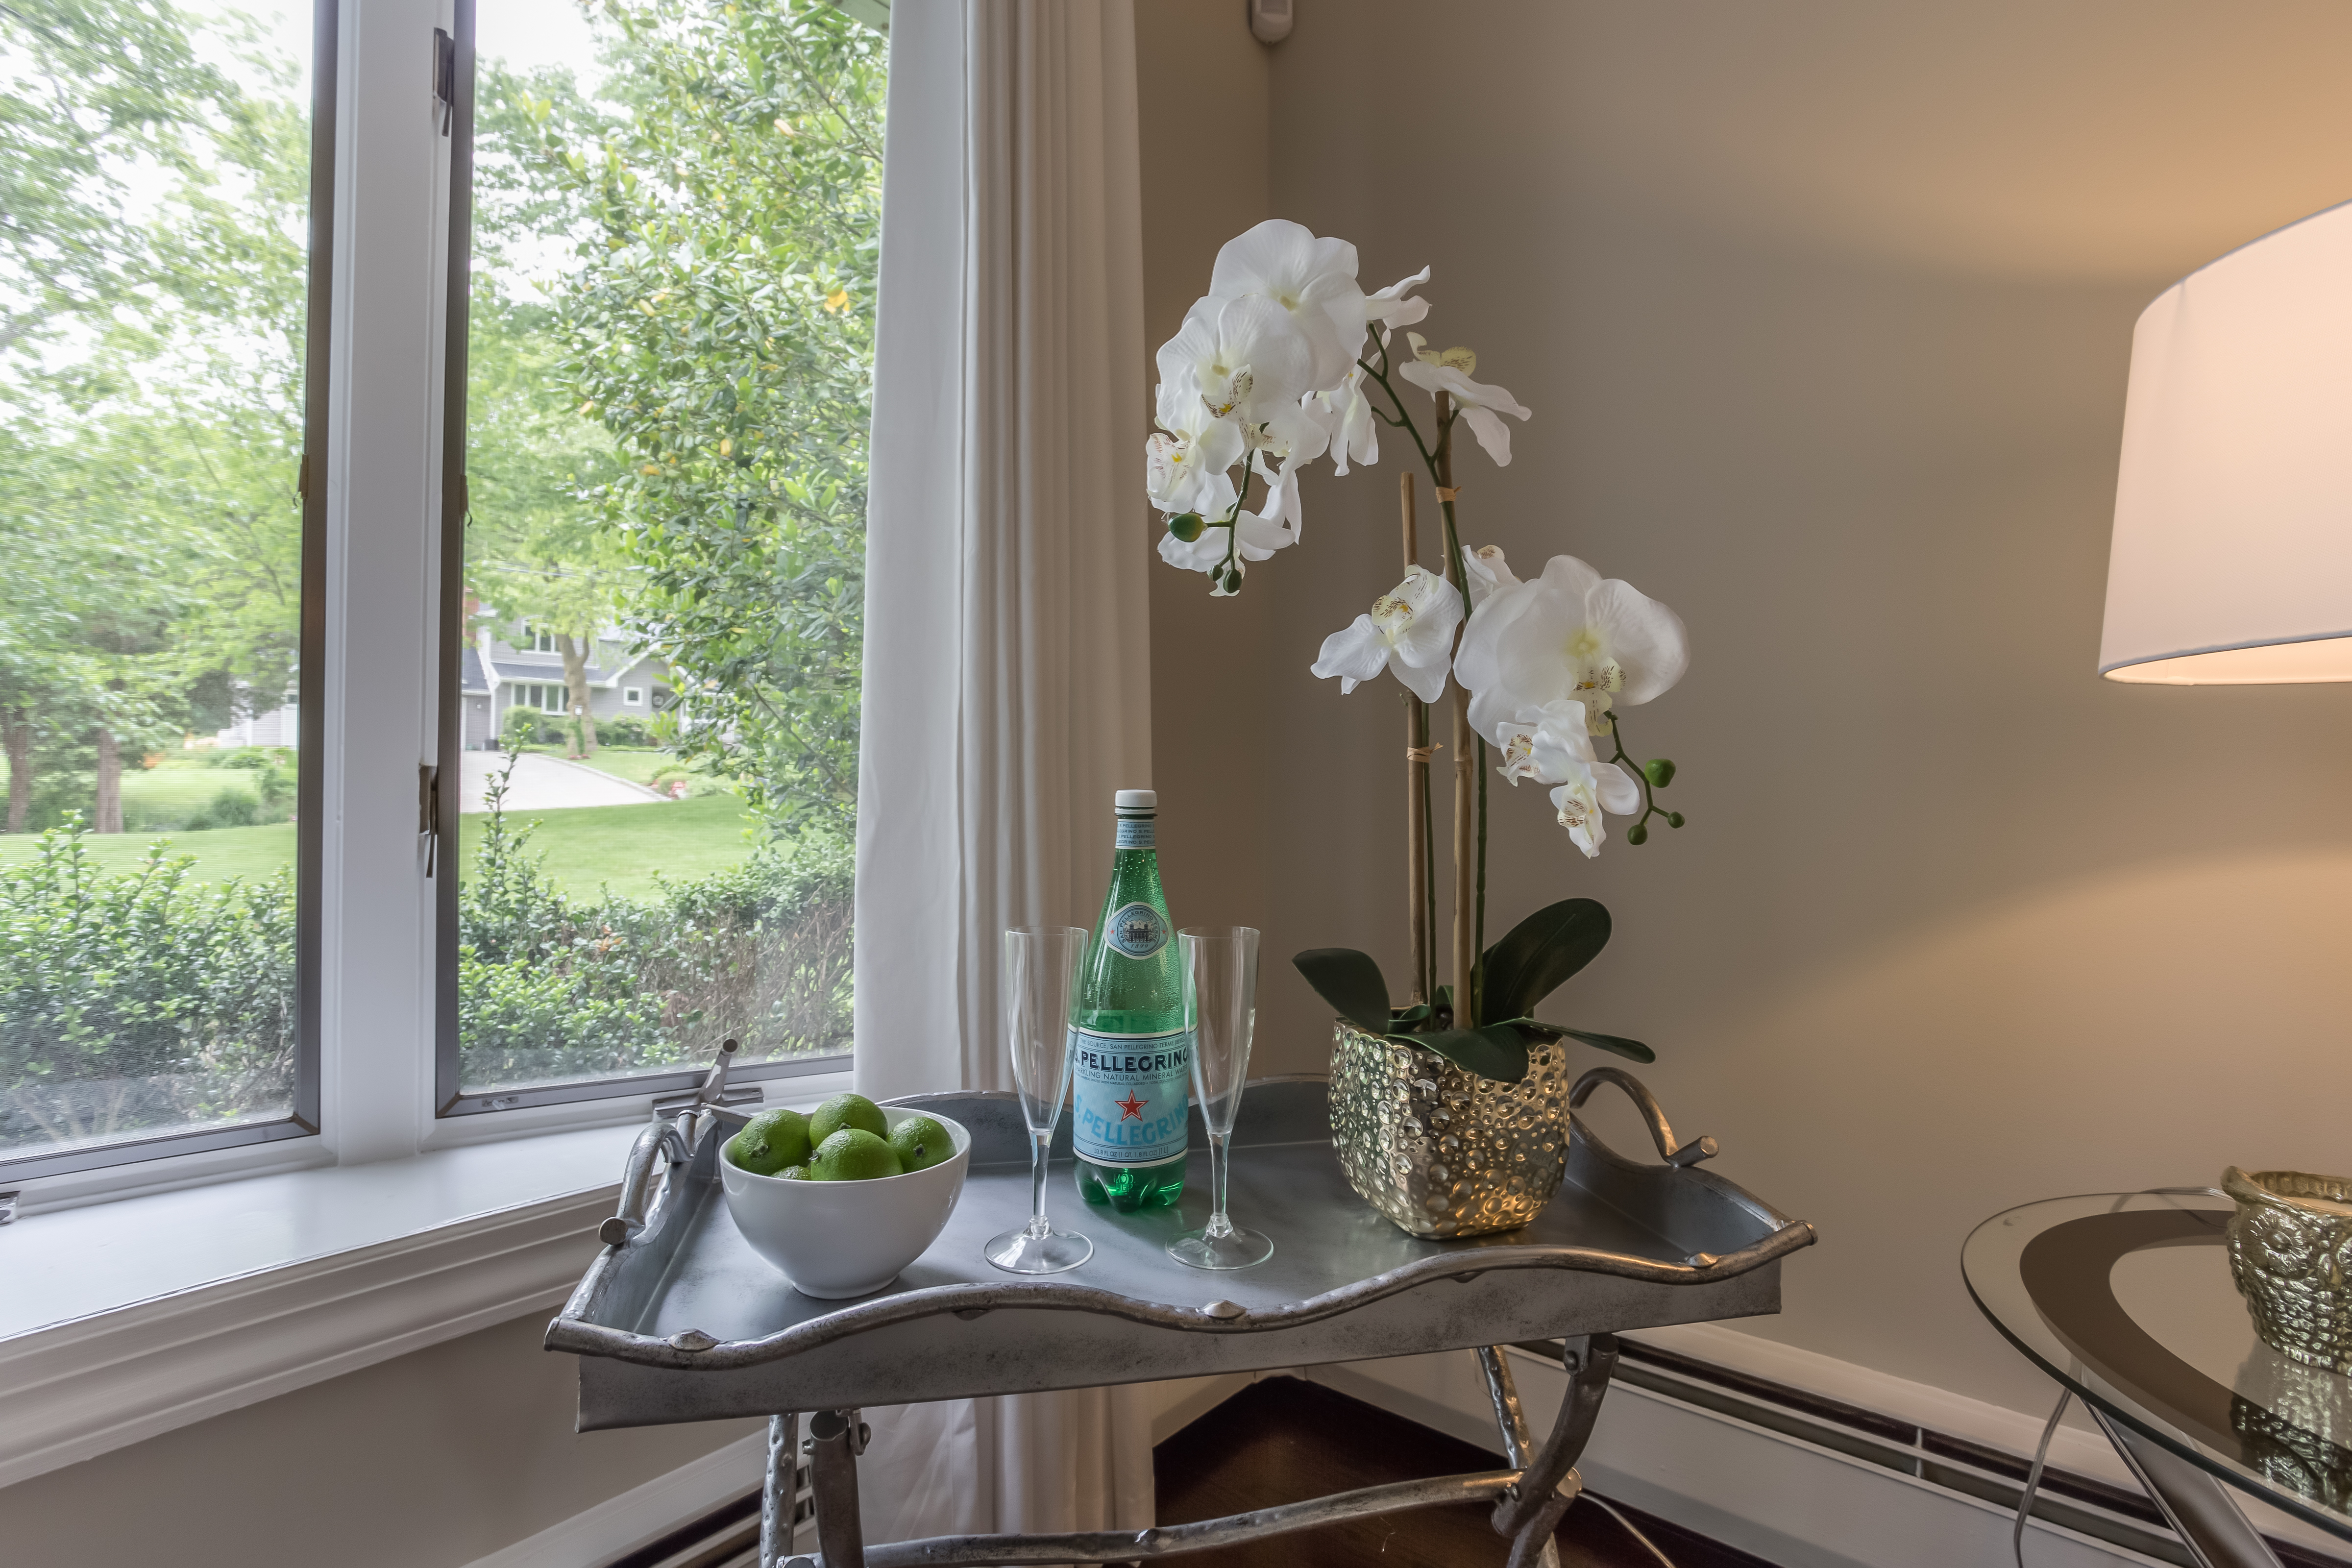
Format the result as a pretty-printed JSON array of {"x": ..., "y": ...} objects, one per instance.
[
  {"x": 1350, "y": 982},
  {"x": 1541, "y": 952},
  {"x": 1416, "y": 1014},
  {"x": 1494, "y": 1052},
  {"x": 1633, "y": 1049}
]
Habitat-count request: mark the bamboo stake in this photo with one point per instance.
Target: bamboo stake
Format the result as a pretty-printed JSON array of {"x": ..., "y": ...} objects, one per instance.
[
  {"x": 1416, "y": 786},
  {"x": 1466, "y": 781}
]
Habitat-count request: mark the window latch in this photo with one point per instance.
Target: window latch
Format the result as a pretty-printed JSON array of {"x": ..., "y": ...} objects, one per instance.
[
  {"x": 428, "y": 811},
  {"x": 444, "y": 75}
]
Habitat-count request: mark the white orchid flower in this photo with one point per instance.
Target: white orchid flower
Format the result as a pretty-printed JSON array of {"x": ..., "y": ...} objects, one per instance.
[
  {"x": 1409, "y": 632},
  {"x": 1390, "y": 307},
  {"x": 1569, "y": 633},
  {"x": 1252, "y": 536},
  {"x": 1551, "y": 745},
  {"x": 1247, "y": 357},
  {"x": 1449, "y": 373},
  {"x": 1314, "y": 281},
  {"x": 1346, "y": 418},
  {"x": 1190, "y": 451},
  {"x": 1295, "y": 437},
  {"x": 1488, "y": 572},
  {"x": 1577, "y": 805}
]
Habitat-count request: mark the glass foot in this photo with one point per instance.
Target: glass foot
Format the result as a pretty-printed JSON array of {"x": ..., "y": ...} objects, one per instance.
[
  {"x": 1018, "y": 1252},
  {"x": 1235, "y": 1249}
]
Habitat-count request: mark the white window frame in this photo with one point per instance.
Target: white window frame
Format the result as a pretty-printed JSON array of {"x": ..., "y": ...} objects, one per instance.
[
  {"x": 381, "y": 472},
  {"x": 632, "y": 697}
]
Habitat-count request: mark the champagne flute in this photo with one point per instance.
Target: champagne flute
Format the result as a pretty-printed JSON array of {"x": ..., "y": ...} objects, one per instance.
[
  {"x": 1041, "y": 976},
  {"x": 1220, "y": 965}
]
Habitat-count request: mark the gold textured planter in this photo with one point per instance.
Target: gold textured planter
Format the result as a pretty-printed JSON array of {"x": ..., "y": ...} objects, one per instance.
[
  {"x": 2287, "y": 1243},
  {"x": 1440, "y": 1151}
]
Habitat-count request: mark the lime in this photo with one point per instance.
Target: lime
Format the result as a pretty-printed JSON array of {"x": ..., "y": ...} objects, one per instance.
[
  {"x": 852, "y": 1154},
  {"x": 919, "y": 1142},
  {"x": 770, "y": 1142},
  {"x": 846, "y": 1110},
  {"x": 794, "y": 1173}
]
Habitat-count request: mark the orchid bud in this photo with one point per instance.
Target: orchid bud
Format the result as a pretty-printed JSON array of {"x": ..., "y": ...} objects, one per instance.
[
  {"x": 1659, "y": 771},
  {"x": 1673, "y": 819},
  {"x": 1232, "y": 579},
  {"x": 1186, "y": 526},
  {"x": 1638, "y": 833}
]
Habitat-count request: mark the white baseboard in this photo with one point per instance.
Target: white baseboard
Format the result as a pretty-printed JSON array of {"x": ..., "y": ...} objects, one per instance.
[{"x": 644, "y": 1513}]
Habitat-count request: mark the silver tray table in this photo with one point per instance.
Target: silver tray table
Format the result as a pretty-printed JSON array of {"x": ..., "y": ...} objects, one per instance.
[{"x": 677, "y": 1320}]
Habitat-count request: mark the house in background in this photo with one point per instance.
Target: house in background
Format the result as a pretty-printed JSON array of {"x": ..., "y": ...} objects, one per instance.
[
  {"x": 278, "y": 726},
  {"x": 512, "y": 665}
]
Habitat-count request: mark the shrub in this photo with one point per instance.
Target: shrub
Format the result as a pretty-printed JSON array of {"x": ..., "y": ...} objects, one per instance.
[
  {"x": 139, "y": 999},
  {"x": 625, "y": 730},
  {"x": 552, "y": 986},
  {"x": 232, "y": 807},
  {"x": 530, "y": 727},
  {"x": 143, "y": 999}
]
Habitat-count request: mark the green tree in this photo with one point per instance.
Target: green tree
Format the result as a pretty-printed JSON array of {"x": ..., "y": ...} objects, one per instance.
[
  {"x": 150, "y": 360},
  {"x": 718, "y": 321}
]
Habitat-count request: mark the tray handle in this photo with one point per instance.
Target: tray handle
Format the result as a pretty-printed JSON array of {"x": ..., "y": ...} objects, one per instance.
[
  {"x": 1661, "y": 1133},
  {"x": 678, "y": 1130}
]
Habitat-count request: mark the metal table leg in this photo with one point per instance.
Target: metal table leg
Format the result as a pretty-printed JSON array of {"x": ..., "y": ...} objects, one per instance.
[
  {"x": 1503, "y": 1391},
  {"x": 1532, "y": 1511},
  {"x": 836, "y": 1439},
  {"x": 2199, "y": 1507},
  {"x": 780, "y": 1490},
  {"x": 1530, "y": 1497}
]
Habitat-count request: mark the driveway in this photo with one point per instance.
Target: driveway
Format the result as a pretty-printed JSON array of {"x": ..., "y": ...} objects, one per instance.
[{"x": 541, "y": 783}]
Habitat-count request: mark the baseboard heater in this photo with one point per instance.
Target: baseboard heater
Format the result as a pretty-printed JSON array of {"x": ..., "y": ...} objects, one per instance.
[
  {"x": 2085, "y": 1504},
  {"x": 726, "y": 1537}
]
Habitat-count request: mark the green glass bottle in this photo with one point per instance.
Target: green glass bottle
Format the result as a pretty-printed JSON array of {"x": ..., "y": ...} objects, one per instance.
[{"x": 1131, "y": 1060}]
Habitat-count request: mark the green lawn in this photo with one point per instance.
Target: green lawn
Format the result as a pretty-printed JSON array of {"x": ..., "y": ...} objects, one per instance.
[
  {"x": 622, "y": 844},
  {"x": 249, "y": 853},
  {"x": 625, "y": 844}
]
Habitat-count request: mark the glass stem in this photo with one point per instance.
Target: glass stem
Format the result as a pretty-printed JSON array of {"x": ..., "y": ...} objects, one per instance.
[
  {"x": 1038, "y": 1228},
  {"x": 1218, "y": 1226}
]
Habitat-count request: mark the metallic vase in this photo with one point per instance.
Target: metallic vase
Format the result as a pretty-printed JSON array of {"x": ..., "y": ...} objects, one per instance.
[
  {"x": 1440, "y": 1151},
  {"x": 2287, "y": 1243}
]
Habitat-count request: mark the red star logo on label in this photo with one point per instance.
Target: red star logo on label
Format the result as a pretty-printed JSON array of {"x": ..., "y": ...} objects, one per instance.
[{"x": 1129, "y": 1107}]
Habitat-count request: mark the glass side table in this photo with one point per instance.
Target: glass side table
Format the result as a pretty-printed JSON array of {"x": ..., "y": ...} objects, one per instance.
[{"x": 2125, "y": 1298}]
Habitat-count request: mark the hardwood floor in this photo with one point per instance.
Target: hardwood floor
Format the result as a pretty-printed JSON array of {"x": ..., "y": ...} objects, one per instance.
[{"x": 1283, "y": 1440}]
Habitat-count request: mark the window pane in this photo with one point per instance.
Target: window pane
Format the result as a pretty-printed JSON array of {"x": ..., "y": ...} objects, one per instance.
[
  {"x": 669, "y": 369},
  {"x": 152, "y": 285}
]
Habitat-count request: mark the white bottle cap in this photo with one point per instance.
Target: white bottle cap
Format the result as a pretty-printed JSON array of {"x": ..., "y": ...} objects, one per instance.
[{"x": 1136, "y": 800}]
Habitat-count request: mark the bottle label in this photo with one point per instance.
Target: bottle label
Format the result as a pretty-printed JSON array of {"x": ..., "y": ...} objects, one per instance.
[
  {"x": 1138, "y": 929},
  {"x": 1137, "y": 833},
  {"x": 1127, "y": 1096}
]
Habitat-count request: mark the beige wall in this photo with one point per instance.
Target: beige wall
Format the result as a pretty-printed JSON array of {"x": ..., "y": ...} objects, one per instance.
[
  {"x": 1824, "y": 313},
  {"x": 430, "y": 1461}
]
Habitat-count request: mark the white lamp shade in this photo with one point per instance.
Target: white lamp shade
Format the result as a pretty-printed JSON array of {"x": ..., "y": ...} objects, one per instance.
[{"x": 2231, "y": 559}]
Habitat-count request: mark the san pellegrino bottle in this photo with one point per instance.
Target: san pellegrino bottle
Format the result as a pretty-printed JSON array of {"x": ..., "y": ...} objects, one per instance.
[{"x": 1131, "y": 1060}]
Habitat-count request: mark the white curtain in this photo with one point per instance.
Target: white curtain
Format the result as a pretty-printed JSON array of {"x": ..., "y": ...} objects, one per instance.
[{"x": 1007, "y": 665}]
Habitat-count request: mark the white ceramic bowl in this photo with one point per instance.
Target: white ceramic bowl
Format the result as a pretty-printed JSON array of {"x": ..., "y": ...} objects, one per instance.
[{"x": 837, "y": 1240}]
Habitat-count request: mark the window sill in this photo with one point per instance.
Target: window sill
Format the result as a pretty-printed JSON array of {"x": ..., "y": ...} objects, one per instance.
[{"x": 123, "y": 1320}]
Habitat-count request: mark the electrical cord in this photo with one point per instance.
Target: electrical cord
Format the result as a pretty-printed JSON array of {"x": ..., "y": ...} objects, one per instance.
[{"x": 1631, "y": 1530}]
